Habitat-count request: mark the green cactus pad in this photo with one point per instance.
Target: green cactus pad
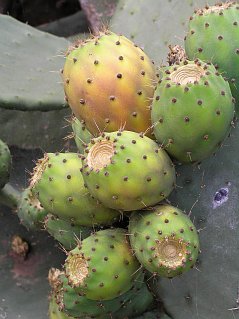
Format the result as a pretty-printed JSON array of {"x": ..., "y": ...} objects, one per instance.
[
  {"x": 81, "y": 135},
  {"x": 54, "y": 312},
  {"x": 103, "y": 266},
  {"x": 58, "y": 183},
  {"x": 65, "y": 232},
  {"x": 192, "y": 111},
  {"x": 76, "y": 305},
  {"x": 126, "y": 170},
  {"x": 5, "y": 163},
  {"x": 213, "y": 35},
  {"x": 154, "y": 25},
  {"x": 36, "y": 81},
  {"x": 30, "y": 211},
  {"x": 113, "y": 90},
  {"x": 165, "y": 240}
]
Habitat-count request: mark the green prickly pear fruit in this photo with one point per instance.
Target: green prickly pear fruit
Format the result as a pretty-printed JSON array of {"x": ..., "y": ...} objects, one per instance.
[
  {"x": 30, "y": 211},
  {"x": 59, "y": 185},
  {"x": 192, "y": 111},
  {"x": 65, "y": 231},
  {"x": 109, "y": 83},
  {"x": 165, "y": 240},
  {"x": 76, "y": 305},
  {"x": 128, "y": 171},
  {"x": 81, "y": 135},
  {"x": 5, "y": 163},
  {"x": 213, "y": 36},
  {"x": 103, "y": 266}
]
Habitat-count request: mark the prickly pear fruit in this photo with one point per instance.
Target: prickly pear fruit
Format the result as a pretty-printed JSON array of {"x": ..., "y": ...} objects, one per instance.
[
  {"x": 128, "y": 171},
  {"x": 59, "y": 185},
  {"x": 30, "y": 211},
  {"x": 165, "y": 240},
  {"x": 81, "y": 135},
  {"x": 109, "y": 83},
  {"x": 192, "y": 111},
  {"x": 5, "y": 162},
  {"x": 76, "y": 305},
  {"x": 213, "y": 36},
  {"x": 65, "y": 231},
  {"x": 103, "y": 266}
]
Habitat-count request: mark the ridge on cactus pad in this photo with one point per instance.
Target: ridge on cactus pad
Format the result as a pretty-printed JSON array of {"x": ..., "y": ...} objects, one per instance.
[
  {"x": 5, "y": 163},
  {"x": 127, "y": 170},
  {"x": 109, "y": 83},
  {"x": 102, "y": 267},
  {"x": 192, "y": 110},
  {"x": 30, "y": 211},
  {"x": 59, "y": 185},
  {"x": 164, "y": 239},
  {"x": 213, "y": 36}
]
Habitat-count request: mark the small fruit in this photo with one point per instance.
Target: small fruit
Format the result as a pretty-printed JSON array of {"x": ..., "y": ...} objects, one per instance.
[
  {"x": 103, "y": 266},
  {"x": 192, "y": 111},
  {"x": 58, "y": 183},
  {"x": 68, "y": 234},
  {"x": 30, "y": 211},
  {"x": 213, "y": 36},
  {"x": 128, "y": 171},
  {"x": 165, "y": 240},
  {"x": 5, "y": 163}
]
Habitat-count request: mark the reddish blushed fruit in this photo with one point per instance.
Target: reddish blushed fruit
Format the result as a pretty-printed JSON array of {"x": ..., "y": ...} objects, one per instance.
[{"x": 109, "y": 83}]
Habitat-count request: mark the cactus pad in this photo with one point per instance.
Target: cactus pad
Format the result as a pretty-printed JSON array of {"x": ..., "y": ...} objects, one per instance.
[{"x": 35, "y": 84}]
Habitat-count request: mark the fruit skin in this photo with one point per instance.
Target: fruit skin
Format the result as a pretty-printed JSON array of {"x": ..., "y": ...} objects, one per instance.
[
  {"x": 76, "y": 305},
  {"x": 192, "y": 120},
  {"x": 161, "y": 231},
  {"x": 30, "y": 211},
  {"x": 65, "y": 232},
  {"x": 139, "y": 173},
  {"x": 113, "y": 90},
  {"x": 214, "y": 37},
  {"x": 81, "y": 135},
  {"x": 58, "y": 183},
  {"x": 5, "y": 163},
  {"x": 103, "y": 266}
]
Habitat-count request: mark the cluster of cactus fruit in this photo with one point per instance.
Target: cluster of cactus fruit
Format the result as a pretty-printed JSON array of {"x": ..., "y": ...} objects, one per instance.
[{"x": 107, "y": 204}]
